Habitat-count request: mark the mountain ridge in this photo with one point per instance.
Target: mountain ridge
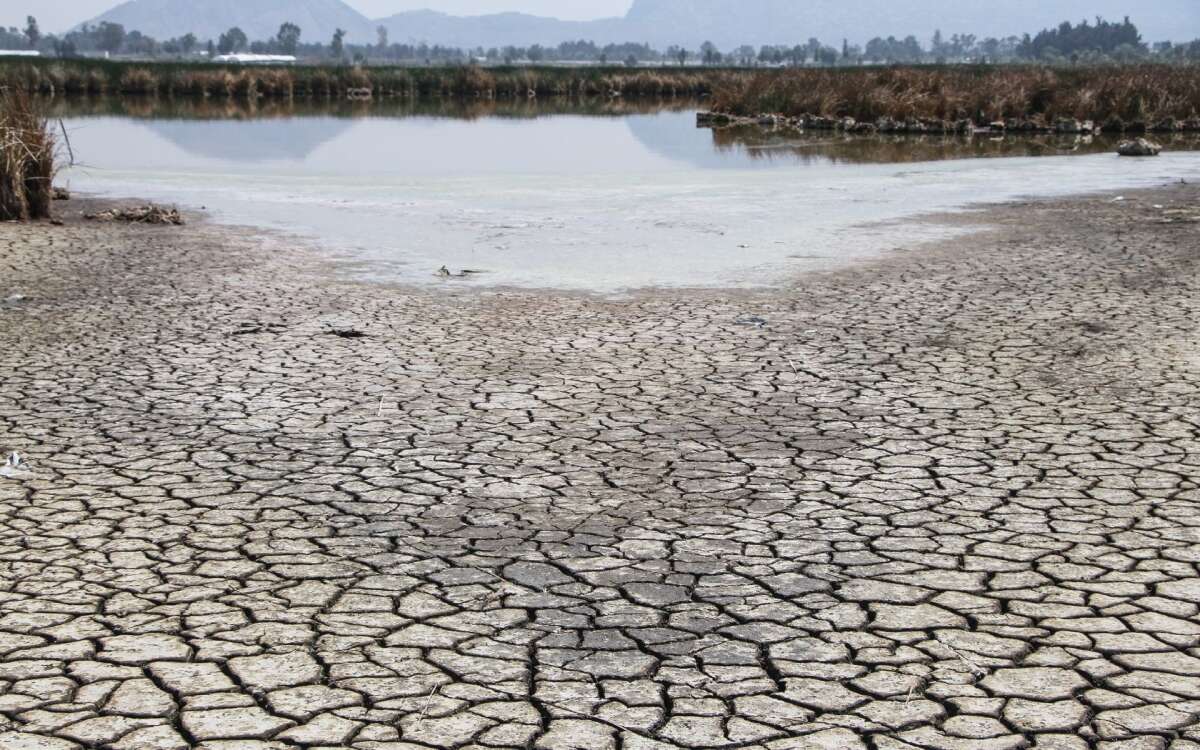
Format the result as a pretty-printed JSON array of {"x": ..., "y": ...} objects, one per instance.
[
  {"x": 661, "y": 23},
  {"x": 260, "y": 19}
]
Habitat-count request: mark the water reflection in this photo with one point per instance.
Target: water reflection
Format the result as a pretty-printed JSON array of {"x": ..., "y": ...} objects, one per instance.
[
  {"x": 298, "y": 128},
  {"x": 230, "y": 141},
  {"x": 840, "y": 148},
  {"x": 457, "y": 109},
  {"x": 600, "y": 195},
  {"x": 402, "y": 132}
]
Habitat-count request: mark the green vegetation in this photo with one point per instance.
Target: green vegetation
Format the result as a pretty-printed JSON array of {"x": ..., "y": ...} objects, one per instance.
[
  {"x": 26, "y": 159},
  {"x": 1119, "y": 98}
]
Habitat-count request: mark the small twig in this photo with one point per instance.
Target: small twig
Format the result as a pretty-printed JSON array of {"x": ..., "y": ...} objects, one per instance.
[
  {"x": 67, "y": 138},
  {"x": 971, "y": 665},
  {"x": 425, "y": 708}
]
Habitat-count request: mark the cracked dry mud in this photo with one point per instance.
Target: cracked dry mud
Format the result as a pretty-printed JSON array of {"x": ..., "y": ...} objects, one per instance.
[{"x": 944, "y": 500}]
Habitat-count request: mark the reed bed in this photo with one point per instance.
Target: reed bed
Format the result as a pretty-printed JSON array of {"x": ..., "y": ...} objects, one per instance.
[
  {"x": 1103, "y": 94},
  {"x": 1112, "y": 95},
  {"x": 97, "y": 77},
  {"x": 26, "y": 158}
]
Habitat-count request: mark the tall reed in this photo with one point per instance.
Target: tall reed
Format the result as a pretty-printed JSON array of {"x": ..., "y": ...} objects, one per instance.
[
  {"x": 1146, "y": 94},
  {"x": 1124, "y": 96},
  {"x": 26, "y": 158},
  {"x": 74, "y": 77}
]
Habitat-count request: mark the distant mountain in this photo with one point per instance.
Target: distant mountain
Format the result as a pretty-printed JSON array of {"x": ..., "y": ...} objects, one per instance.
[
  {"x": 260, "y": 19},
  {"x": 734, "y": 22},
  {"x": 497, "y": 29},
  {"x": 727, "y": 23}
]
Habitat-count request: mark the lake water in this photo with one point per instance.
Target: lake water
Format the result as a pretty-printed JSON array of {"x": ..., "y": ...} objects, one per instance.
[{"x": 600, "y": 198}]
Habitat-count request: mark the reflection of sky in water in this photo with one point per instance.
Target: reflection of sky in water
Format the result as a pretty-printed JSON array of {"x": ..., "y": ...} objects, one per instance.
[
  {"x": 573, "y": 201},
  {"x": 377, "y": 146}
]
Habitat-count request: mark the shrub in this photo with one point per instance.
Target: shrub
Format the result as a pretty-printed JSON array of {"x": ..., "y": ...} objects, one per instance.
[{"x": 26, "y": 158}]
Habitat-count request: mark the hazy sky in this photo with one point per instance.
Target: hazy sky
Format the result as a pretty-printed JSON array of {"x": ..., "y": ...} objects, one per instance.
[{"x": 58, "y": 15}]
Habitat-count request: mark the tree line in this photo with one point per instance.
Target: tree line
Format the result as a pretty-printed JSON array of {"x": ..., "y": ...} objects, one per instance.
[{"x": 1101, "y": 41}]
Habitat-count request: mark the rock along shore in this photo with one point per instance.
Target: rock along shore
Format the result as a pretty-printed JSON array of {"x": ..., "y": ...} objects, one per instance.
[{"x": 890, "y": 125}]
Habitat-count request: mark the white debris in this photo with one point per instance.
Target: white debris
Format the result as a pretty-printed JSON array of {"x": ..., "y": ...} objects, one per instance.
[{"x": 13, "y": 465}]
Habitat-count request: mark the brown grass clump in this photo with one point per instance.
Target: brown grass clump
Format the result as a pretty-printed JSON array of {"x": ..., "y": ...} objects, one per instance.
[
  {"x": 138, "y": 82},
  {"x": 320, "y": 83},
  {"x": 192, "y": 83},
  {"x": 245, "y": 86},
  {"x": 275, "y": 83},
  {"x": 26, "y": 159},
  {"x": 220, "y": 84},
  {"x": 357, "y": 78},
  {"x": 473, "y": 81},
  {"x": 1143, "y": 93},
  {"x": 95, "y": 83}
]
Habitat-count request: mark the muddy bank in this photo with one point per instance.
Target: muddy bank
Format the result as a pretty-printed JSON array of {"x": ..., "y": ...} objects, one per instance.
[
  {"x": 938, "y": 126},
  {"x": 943, "y": 499}
]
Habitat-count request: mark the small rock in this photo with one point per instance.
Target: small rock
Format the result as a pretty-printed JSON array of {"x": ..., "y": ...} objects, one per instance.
[
  {"x": 346, "y": 333},
  {"x": 1139, "y": 147}
]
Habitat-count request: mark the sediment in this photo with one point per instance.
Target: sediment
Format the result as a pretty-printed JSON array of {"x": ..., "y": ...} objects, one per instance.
[{"x": 945, "y": 499}]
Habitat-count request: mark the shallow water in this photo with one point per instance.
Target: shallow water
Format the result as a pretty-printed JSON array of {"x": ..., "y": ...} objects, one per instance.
[{"x": 601, "y": 200}]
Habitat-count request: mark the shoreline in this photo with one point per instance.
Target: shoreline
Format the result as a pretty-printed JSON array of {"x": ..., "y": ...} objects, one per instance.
[
  {"x": 952, "y": 225},
  {"x": 973, "y": 224},
  {"x": 941, "y": 498},
  {"x": 1019, "y": 126}
]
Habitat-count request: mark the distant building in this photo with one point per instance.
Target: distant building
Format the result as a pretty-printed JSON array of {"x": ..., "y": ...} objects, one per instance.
[
  {"x": 19, "y": 53},
  {"x": 248, "y": 59}
]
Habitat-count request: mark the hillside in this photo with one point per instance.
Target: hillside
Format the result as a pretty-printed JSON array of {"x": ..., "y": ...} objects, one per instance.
[
  {"x": 728, "y": 23},
  {"x": 495, "y": 30},
  {"x": 260, "y": 19}
]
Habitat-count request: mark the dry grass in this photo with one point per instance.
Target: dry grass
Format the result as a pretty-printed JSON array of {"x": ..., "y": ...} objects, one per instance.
[
  {"x": 138, "y": 82},
  {"x": 1120, "y": 95},
  {"x": 26, "y": 159},
  {"x": 1143, "y": 94},
  {"x": 76, "y": 77}
]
